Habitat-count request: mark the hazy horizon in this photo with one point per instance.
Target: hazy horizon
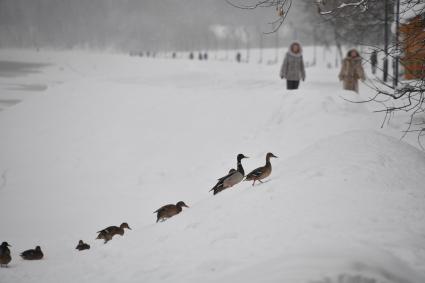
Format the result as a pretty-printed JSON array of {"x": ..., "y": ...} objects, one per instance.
[{"x": 141, "y": 25}]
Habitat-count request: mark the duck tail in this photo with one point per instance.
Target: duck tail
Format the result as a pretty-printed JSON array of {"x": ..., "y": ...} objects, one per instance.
[
  {"x": 218, "y": 187},
  {"x": 217, "y": 190}
]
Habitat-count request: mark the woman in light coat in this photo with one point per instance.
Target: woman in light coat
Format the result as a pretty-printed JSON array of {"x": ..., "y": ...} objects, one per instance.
[
  {"x": 352, "y": 71},
  {"x": 293, "y": 66}
]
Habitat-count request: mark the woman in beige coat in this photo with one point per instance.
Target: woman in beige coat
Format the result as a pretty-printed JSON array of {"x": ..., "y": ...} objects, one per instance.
[{"x": 352, "y": 71}]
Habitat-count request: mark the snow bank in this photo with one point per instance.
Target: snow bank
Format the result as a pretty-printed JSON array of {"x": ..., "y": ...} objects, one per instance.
[{"x": 345, "y": 199}]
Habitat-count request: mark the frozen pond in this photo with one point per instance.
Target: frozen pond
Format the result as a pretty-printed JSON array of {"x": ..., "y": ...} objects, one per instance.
[
  {"x": 10, "y": 69},
  {"x": 16, "y": 83}
]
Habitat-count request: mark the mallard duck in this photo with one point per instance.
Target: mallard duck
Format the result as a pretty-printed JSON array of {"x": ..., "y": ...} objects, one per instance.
[
  {"x": 82, "y": 246},
  {"x": 261, "y": 172},
  {"x": 169, "y": 210},
  {"x": 232, "y": 178},
  {"x": 108, "y": 233},
  {"x": 33, "y": 254},
  {"x": 5, "y": 257}
]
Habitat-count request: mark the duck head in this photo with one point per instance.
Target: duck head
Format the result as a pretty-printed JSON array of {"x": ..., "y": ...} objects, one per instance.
[
  {"x": 37, "y": 249},
  {"x": 5, "y": 244},
  {"x": 80, "y": 242},
  {"x": 270, "y": 155},
  {"x": 181, "y": 204},
  {"x": 125, "y": 225},
  {"x": 241, "y": 156}
]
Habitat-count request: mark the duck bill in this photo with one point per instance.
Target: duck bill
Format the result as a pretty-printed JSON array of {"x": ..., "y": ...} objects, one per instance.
[{"x": 185, "y": 206}]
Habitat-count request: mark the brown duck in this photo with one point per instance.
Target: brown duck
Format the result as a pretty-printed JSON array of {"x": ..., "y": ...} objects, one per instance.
[
  {"x": 108, "y": 233},
  {"x": 33, "y": 254},
  {"x": 232, "y": 178},
  {"x": 169, "y": 210},
  {"x": 82, "y": 246},
  {"x": 5, "y": 257},
  {"x": 261, "y": 172}
]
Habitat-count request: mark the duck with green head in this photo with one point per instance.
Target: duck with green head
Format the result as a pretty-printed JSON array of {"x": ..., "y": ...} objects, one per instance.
[{"x": 232, "y": 178}]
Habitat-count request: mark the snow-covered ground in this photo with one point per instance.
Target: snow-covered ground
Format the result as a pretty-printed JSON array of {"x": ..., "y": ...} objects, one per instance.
[{"x": 111, "y": 138}]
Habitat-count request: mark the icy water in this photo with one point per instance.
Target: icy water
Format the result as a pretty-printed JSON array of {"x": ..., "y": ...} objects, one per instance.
[
  {"x": 12, "y": 89},
  {"x": 10, "y": 69}
]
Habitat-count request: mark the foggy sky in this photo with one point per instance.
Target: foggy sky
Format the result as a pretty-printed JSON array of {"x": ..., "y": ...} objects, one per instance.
[{"x": 135, "y": 24}]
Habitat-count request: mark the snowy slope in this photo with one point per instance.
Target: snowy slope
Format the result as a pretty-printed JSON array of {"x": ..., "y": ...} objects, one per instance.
[{"x": 113, "y": 138}]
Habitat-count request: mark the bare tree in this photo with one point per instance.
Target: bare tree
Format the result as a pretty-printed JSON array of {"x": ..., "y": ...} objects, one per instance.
[
  {"x": 408, "y": 96},
  {"x": 282, "y": 8},
  {"x": 358, "y": 22}
]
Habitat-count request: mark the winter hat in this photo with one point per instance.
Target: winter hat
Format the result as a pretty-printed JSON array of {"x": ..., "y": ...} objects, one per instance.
[{"x": 300, "y": 52}]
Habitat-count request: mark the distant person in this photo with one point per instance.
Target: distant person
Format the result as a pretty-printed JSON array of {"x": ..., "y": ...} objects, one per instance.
[
  {"x": 238, "y": 57},
  {"x": 352, "y": 71},
  {"x": 293, "y": 66},
  {"x": 174, "y": 55},
  {"x": 205, "y": 56},
  {"x": 374, "y": 61},
  {"x": 200, "y": 57},
  {"x": 191, "y": 56}
]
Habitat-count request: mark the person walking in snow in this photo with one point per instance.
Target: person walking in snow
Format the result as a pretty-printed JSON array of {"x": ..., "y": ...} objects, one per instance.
[
  {"x": 352, "y": 71},
  {"x": 293, "y": 66},
  {"x": 374, "y": 61}
]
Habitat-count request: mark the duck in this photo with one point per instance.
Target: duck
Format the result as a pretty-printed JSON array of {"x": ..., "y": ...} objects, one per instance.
[
  {"x": 169, "y": 210},
  {"x": 261, "y": 172},
  {"x": 5, "y": 256},
  {"x": 82, "y": 246},
  {"x": 232, "y": 178},
  {"x": 108, "y": 233},
  {"x": 34, "y": 254}
]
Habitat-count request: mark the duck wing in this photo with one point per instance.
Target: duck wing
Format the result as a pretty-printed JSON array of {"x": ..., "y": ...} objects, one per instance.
[
  {"x": 255, "y": 173},
  {"x": 4, "y": 251},
  {"x": 226, "y": 176},
  {"x": 28, "y": 253},
  {"x": 227, "y": 181},
  {"x": 233, "y": 179},
  {"x": 219, "y": 186},
  {"x": 108, "y": 229},
  {"x": 164, "y": 208}
]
